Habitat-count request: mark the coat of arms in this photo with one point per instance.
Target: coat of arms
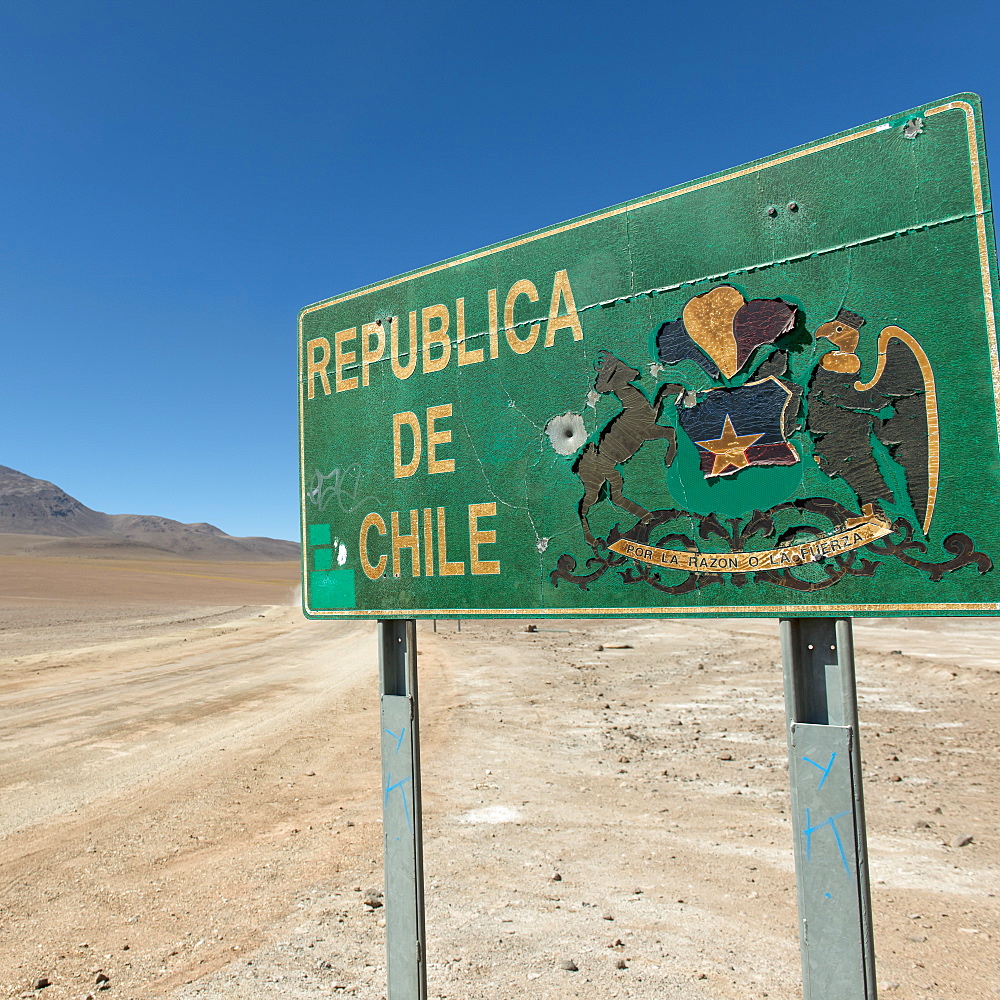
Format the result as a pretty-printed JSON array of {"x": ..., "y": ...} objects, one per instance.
[{"x": 727, "y": 403}]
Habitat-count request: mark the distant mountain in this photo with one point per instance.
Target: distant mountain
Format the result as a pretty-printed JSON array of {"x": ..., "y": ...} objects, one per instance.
[{"x": 31, "y": 506}]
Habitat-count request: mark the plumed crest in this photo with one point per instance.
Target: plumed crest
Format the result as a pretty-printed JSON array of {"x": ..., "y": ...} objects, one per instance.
[{"x": 850, "y": 319}]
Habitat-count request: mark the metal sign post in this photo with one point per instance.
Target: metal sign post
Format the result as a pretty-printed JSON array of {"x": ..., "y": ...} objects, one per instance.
[
  {"x": 828, "y": 812},
  {"x": 401, "y": 813}
]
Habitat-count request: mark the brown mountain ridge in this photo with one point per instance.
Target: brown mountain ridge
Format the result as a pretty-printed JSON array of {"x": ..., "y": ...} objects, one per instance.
[{"x": 39, "y": 518}]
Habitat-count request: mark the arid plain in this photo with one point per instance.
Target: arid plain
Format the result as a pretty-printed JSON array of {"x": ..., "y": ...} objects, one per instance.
[{"x": 189, "y": 797}]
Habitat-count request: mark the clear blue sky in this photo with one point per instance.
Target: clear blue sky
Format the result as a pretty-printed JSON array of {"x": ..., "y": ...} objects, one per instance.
[{"x": 179, "y": 177}]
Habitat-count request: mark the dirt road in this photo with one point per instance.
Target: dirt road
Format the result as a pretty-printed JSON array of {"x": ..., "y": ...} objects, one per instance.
[
  {"x": 158, "y": 760},
  {"x": 189, "y": 797}
]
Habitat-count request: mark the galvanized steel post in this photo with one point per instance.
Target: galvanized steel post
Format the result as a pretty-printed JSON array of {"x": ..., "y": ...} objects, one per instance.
[
  {"x": 828, "y": 812},
  {"x": 401, "y": 813}
]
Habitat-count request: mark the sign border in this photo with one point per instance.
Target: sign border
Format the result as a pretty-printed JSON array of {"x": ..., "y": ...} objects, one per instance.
[{"x": 968, "y": 104}]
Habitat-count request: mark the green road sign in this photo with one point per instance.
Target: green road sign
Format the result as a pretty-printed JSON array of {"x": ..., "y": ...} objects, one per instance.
[{"x": 772, "y": 391}]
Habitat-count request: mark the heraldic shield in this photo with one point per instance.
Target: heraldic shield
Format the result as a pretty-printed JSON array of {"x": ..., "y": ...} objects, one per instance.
[{"x": 740, "y": 427}]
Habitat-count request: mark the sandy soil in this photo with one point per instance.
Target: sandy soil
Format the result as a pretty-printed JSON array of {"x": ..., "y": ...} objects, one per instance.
[{"x": 189, "y": 798}]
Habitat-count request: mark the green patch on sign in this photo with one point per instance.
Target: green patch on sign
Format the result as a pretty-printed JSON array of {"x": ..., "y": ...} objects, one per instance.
[
  {"x": 332, "y": 589},
  {"x": 319, "y": 534}
]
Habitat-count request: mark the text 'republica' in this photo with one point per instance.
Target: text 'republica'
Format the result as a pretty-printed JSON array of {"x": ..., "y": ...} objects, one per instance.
[{"x": 437, "y": 336}]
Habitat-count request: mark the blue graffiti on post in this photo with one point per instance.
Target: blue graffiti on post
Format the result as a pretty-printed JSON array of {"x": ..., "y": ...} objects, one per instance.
[
  {"x": 402, "y": 791},
  {"x": 832, "y": 823},
  {"x": 812, "y": 828},
  {"x": 825, "y": 770},
  {"x": 390, "y": 787}
]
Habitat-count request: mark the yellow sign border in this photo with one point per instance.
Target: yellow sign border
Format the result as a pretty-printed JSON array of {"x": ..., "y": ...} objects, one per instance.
[{"x": 811, "y": 610}]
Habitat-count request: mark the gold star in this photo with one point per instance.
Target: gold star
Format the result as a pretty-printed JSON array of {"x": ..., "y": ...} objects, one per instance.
[{"x": 729, "y": 449}]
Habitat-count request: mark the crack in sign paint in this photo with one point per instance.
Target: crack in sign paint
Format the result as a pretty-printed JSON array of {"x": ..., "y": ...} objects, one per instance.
[{"x": 720, "y": 276}]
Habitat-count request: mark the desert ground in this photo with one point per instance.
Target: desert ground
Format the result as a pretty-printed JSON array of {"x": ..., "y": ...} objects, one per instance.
[{"x": 190, "y": 804}]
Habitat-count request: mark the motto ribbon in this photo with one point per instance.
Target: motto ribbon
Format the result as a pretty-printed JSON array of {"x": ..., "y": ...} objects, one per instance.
[{"x": 785, "y": 557}]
